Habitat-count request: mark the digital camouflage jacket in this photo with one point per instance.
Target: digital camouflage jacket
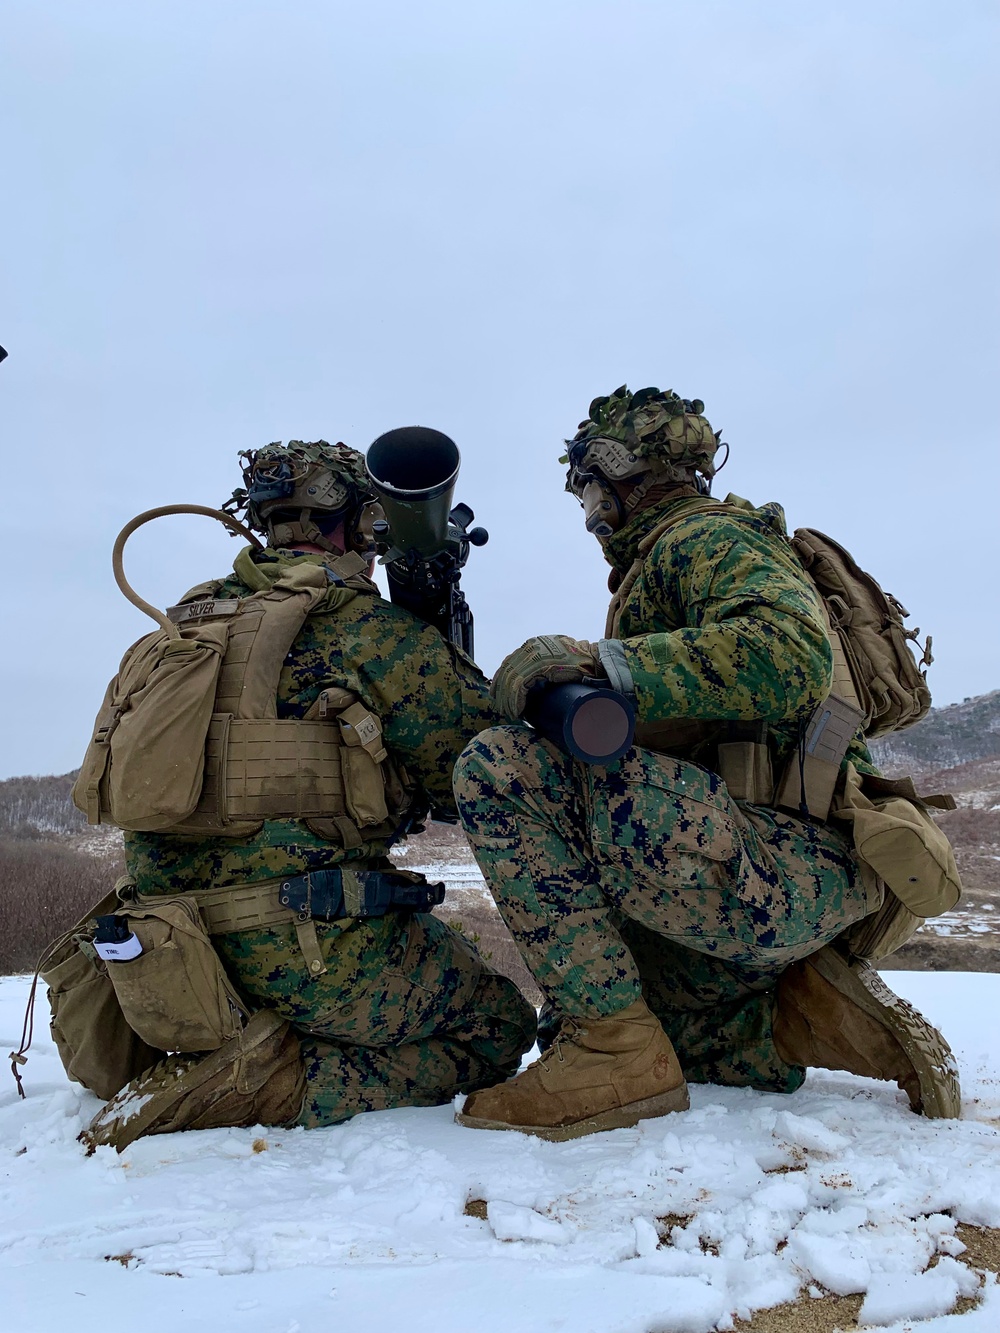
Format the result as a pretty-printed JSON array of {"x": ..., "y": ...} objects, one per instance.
[
  {"x": 431, "y": 699},
  {"x": 722, "y": 624}
]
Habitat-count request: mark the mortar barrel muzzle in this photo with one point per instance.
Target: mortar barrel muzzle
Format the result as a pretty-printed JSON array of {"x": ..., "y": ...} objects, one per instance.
[{"x": 413, "y": 471}]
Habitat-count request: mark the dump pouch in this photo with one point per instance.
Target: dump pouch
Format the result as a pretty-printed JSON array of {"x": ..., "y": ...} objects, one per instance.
[
  {"x": 896, "y": 838},
  {"x": 175, "y": 994},
  {"x": 96, "y": 1045}
]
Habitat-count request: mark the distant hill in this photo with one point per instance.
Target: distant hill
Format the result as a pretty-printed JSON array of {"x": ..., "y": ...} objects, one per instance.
[
  {"x": 38, "y": 807},
  {"x": 946, "y": 738}
]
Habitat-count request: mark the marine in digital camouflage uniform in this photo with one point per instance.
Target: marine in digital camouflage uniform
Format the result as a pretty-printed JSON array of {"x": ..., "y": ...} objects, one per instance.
[
  {"x": 406, "y": 1013},
  {"x": 656, "y": 912}
]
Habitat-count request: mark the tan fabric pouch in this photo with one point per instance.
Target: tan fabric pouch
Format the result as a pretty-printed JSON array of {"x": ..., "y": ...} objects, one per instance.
[
  {"x": 144, "y": 767},
  {"x": 175, "y": 994},
  {"x": 362, "y": 757},
  {"x": 95, "y": 1043},
  {"x": 896, "y": 837}
]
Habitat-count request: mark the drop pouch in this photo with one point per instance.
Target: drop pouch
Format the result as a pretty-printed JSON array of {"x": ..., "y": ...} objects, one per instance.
[
  {"x": 175, "y": 994},
  {"x": 897, "y": 839},
  {"x": 96, "y": 1045}
]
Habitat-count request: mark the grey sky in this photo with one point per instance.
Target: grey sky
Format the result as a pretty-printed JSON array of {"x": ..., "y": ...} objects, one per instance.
[{"x": 226, "y": 223}]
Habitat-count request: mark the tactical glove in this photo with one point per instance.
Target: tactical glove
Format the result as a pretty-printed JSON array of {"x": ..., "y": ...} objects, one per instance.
[{"x": 549, "y": 659}]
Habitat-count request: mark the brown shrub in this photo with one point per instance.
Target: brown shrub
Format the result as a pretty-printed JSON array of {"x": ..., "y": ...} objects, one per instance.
[
  {"x": 45, "y": 887},
  {"x": 968, "y": 828}
]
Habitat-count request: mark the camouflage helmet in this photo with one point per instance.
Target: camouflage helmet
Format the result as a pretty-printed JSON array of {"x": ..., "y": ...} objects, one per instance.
[
  {"x": 294, "y": 492},
  {"x": 660, "y": 431},
  {"x": 651, "y": 437}
]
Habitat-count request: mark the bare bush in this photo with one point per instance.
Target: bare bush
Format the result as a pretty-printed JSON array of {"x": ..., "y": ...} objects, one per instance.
[
  {"x": 33, "y": 807},
  {"x": 45, "y": 887},
  {"x": 969, "y": 827}
]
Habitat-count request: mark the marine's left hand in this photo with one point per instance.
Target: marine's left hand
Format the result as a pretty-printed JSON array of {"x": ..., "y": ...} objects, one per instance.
[{"x": 549, "y": 659}]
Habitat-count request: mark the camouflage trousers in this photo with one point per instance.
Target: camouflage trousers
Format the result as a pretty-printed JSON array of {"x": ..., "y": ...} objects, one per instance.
[
  {"x": 407, "y": 1013},
  {"x": 645, "y": 878}
]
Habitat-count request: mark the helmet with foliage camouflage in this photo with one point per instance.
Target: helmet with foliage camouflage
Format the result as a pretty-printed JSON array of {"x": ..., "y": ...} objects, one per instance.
[
  {"x": 299, "y": 492},
  {"x": 652, "y": 435}
]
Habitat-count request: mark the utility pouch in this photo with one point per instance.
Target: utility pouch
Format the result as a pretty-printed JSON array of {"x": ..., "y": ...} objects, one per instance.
[
  {"x": 811, "y": 774},
  {"x": 745, "y": 767},
  {"x": 175, "y": 994},
  {"x": 896, "y": 837},
  {"x": 144, "y": 767},
  {"x": 363, "y": 755}
]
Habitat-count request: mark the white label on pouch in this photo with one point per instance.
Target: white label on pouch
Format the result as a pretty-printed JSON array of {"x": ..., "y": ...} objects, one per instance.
[{"x": 119, "y": 952}]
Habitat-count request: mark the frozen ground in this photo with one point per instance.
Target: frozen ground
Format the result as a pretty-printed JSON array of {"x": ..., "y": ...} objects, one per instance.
[{"x": 681, "y": 1225}]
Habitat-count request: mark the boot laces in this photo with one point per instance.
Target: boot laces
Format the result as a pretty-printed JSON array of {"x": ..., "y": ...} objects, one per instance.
[{"x": 569, "y": 1030}]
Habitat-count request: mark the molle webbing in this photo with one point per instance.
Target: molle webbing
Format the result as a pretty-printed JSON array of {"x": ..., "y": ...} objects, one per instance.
[
  {"x": 259, "y": 766},
  {"x": 271, "y": 768},
  {"x": 248, "y": 681}
]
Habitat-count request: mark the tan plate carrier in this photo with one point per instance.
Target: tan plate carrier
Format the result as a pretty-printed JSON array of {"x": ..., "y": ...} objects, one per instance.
[{"x": 188, "y": 739}]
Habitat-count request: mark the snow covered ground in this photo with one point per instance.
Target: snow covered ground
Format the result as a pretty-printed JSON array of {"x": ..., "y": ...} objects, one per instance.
[{"x": 681, "y": 1225}]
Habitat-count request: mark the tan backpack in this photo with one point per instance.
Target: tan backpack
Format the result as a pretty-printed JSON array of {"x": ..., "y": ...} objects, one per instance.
[
  {"x": 866, "y": 624},
  {"x": 188, "y": 739}
]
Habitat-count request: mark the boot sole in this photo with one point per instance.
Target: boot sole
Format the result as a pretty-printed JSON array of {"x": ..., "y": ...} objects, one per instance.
[
  {"x": 925, "y": 1047},
  {"x": 622, "y": 1117},
  {"x": 261, "y": 1026}
]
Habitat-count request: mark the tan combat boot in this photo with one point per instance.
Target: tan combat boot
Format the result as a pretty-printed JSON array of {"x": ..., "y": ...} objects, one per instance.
[
  {"x": 256, "y": 1078},
  {"x": 837, "y": 1013},
  {"x": 602, "y": 1074}
]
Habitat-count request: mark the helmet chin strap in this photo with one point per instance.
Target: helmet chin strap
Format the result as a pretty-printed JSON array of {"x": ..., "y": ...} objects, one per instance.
[{"x": 354, "y": 530}]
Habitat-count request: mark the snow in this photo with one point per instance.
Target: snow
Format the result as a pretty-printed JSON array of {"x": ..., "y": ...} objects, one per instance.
[{"x": 681, "y": 1225}]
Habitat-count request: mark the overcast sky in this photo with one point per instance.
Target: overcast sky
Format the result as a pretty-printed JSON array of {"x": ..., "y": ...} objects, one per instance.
[{"x": 226, "y": 222}]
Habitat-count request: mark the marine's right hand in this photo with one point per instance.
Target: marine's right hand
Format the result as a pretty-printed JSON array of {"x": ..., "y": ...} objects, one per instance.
[{"x": 548, "y": 659}]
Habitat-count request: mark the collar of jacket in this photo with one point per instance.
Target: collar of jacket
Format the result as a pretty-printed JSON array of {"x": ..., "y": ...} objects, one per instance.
[
  {"x": 261, "y": 569},
  {"x": 622, "y": 546}
]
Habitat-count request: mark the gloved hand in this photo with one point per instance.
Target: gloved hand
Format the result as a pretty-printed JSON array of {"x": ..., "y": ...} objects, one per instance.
[{"x": 549, "y": 659}]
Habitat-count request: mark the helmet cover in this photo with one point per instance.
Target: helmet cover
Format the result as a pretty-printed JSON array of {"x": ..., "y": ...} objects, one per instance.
[
  {"x": 628, "y": 435},
  {"x": 300, "y": 479}
]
